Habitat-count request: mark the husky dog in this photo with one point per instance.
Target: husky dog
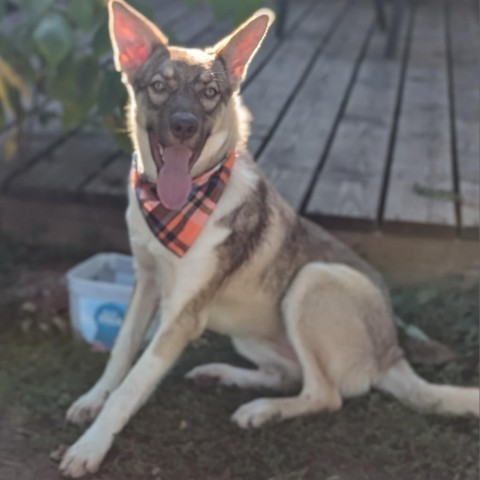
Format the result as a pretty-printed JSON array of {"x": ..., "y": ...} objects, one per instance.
[{"x": 313, "y": 317}]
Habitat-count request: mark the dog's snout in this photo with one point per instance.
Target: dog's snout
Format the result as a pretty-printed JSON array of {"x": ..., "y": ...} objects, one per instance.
[{"x": 183, "y": 125}]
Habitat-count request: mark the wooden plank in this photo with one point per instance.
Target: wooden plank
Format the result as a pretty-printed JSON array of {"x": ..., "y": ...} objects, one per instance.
[
  {"x": 110, "y": 184},
  {"x": 422, "y": 165},
  {"x": 348, "y": 191},
  {"x": 63, "y": 223},
  {"x": 28, "y": 149},
  {"x": 292, "y": 154},
  {"x": 403, "y": 258},
  {"x": 414, "y": 258},
  {"x": 63, "y": 171},
  {"x": 268, "y": 94},
  {"x": 464, "y": 35},
  {"x": 296, "y": 11},
  {"x": 34, "y": 138}
]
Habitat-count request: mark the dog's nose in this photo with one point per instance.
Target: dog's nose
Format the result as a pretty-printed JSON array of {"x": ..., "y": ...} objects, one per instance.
[{"x": 183, "y": 125}]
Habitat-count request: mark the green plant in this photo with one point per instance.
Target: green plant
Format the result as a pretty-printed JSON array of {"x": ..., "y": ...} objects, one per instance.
[{"x": 57, "y": 52}]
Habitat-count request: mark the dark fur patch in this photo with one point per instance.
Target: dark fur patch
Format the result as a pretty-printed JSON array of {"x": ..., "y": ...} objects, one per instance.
[{"x": 248, "y": 224}]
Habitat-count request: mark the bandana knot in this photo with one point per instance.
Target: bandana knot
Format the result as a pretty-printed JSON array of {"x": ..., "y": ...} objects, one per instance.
[{"x": 177, "y": 230}]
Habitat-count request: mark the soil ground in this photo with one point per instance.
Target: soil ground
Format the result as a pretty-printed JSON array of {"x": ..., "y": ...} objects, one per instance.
[{"x": 184, "y": 433}]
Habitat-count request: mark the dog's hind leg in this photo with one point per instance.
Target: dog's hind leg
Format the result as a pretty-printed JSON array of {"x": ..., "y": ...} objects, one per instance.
[
  {"x": 321, "y": 324},
  {"x": 140, "y": 313},
  {"x": 276, "y": 371},
  {"x": 317, "y": 392}
]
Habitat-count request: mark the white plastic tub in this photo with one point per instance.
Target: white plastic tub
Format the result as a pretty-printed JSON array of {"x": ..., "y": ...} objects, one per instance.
[{"x": 99, "y": 292}]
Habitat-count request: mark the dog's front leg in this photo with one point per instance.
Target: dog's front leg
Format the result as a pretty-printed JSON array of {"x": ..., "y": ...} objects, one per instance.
[
  {"x": 176, "y": 331},
  {"x": 142, "y": 307}
]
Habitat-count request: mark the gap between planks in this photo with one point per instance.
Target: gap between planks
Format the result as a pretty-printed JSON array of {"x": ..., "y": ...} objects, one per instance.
[
  {"x": 421, "y": 172},
  {"x": 347, "y": 190},
  {"x": 463, "y": 35},
  {"x": 291, "y": 156}
]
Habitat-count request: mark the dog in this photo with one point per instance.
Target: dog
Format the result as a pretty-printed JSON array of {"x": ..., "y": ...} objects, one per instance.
[{"x": 216, "y": 247}]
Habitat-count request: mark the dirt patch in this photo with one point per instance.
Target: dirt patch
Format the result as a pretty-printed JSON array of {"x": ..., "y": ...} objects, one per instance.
[{"x": 184, "y": 433}]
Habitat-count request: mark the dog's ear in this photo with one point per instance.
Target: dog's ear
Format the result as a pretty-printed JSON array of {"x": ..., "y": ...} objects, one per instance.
[
  {"x": 238, "y": 49},
  {"x": 133, "y": 36}
]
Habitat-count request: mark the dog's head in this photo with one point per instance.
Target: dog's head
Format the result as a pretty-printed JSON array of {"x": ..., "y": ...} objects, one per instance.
[{"x": 183, "y": 112}]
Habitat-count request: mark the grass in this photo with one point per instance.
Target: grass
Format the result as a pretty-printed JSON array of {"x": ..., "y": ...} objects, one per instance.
[{"x": 184, "y": 433}]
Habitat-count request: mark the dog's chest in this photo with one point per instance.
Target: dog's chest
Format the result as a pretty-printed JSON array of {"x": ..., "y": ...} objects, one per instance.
[{"x": 240, "y": 308}]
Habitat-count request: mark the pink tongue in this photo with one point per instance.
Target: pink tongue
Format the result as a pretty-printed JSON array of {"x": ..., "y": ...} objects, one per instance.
[{"x": 174, "y": 183}]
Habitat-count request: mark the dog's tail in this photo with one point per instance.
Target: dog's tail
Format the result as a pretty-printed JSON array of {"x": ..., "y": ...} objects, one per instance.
[{"x": 402, "y": 382}]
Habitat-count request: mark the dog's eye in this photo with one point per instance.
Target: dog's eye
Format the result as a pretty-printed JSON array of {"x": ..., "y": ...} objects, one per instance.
[
  {"x": 210, "y": 92},
  {"x": 158, "y": 86}
]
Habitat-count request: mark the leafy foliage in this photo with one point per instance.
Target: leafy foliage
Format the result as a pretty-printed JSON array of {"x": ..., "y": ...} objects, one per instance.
[{"x": 57, "y": 52}]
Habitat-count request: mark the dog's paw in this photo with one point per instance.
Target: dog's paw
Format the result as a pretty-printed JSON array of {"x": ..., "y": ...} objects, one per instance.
[
  {"x": 86, "y": 408},
  {"x": 85, "y": 456},
  {"x": 208, "y": 376},
  {"x": 256, "y": 413}
]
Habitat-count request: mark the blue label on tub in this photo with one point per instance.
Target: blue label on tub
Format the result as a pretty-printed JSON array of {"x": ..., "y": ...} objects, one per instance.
[{"x": 100, "y": 321}]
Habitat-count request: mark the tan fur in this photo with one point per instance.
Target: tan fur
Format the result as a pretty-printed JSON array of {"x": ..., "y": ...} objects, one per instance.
[{"x": 313, "y": 316}]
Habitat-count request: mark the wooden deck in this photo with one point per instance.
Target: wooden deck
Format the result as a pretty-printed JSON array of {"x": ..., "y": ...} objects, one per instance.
[{"x": 351, "y": 139}]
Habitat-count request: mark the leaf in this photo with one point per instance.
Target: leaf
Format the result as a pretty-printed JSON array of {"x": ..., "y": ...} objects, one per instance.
[
  {"x": 115, "y": 124},
  {"x": 223, "y": 9},
  {"x": 16, "y": 54},
  {"x": 5, "y": 99},
  {"x": 10, "y": 144},
  {"x": 87, "y": 73},
  {"x": 123, "y": 141},
  {"x": 74, "y": 85},
  {"x": 82, "y": 12},
  {"x": 53, "y": 37},
  {"x": 101, "y": 40},
  {"x": 14, "y": 79},
  {"x": 36, "y": 8},
  {"x": 239, "y": 10},
  {"x": 111, "y": 93},
  {"x": 75, "y": 113},
  {"x": 143, "y": 7}
]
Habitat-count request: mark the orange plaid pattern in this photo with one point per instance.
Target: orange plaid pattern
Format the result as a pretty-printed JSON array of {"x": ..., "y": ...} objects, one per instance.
[{"x": 178, "y": 230}]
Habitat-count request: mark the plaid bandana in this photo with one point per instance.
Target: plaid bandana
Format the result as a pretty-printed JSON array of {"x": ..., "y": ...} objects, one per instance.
[{"x": 178, "y": 229}]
